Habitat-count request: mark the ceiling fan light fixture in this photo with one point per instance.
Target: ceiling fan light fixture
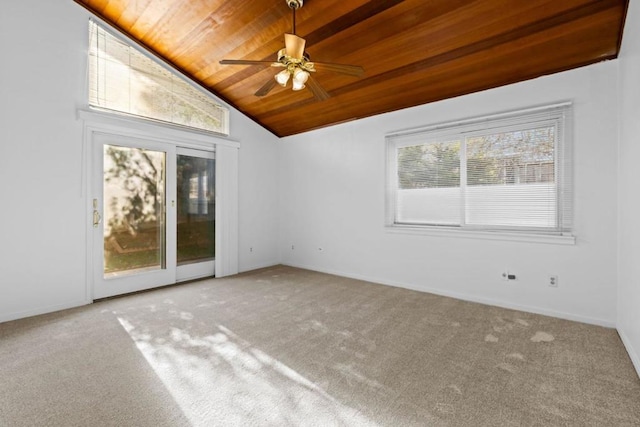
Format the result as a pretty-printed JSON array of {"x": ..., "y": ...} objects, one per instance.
[
  {"x": 300, "y": 75},
  {"x": 283, "y": 77},
  {"x": 299, "y": 79}
]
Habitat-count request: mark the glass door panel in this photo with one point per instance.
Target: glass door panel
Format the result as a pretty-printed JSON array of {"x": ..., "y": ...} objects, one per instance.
[
  {"x": 195, "y": 205},
  {"x": 134, "y": 190},
  {"x": 196, "y": 209},
  {"x": 134, "y": 227}
]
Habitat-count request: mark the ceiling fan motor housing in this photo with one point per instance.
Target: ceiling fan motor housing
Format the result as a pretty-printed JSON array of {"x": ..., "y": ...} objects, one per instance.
[{"x": 294, "y": 4}]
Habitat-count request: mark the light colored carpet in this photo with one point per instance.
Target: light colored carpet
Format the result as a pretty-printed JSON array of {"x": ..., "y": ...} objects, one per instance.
[{"x": 288, "y": 347}]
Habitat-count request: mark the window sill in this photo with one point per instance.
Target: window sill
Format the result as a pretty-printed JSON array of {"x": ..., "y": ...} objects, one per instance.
[{"x": 483, "y": 235}]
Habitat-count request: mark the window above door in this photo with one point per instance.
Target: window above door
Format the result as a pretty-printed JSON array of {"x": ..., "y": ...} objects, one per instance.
[{"x": 124, "y": 79}]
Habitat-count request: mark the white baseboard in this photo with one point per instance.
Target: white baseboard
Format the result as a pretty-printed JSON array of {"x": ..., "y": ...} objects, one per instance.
[
  {"x": 467, "y": 297},
  {"x": 633, "y": 354},
  {"x": 252, "y": 267},
  {"x": 6, "y": 317}
]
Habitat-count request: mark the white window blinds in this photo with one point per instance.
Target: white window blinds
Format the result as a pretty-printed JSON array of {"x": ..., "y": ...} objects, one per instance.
[
  {"x": 508, "y": 172},
  {"x": 123, "y": 79}
]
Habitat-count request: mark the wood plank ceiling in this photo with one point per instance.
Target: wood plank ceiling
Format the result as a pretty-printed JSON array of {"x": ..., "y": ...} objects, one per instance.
[{"x": 413, "y": 51}]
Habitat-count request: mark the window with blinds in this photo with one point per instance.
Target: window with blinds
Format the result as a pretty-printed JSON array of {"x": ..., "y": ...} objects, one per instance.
[
  {"x": 508, "y": 172},
  {"x": 124, "y": 79}
]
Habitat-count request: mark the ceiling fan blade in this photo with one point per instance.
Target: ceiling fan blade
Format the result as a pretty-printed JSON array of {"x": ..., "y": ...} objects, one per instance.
[
  {"x": 244, "y": 62},
  {"x": 351, "y": 70},
  {"x": 294, "y": 45},
  {"x": 317, "y": 90},
  {"x": 266, "y": 88}
]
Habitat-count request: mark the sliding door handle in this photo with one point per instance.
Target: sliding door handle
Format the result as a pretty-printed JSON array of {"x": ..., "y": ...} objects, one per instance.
[
  {"x": 96, "y": 218},
  {"x": 96, "y": 215}
]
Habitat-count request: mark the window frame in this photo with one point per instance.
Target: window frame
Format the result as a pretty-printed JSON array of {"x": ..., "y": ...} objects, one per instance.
[
  {"x": 160, "y": 62},
  {"x": 560, "y": 115}
]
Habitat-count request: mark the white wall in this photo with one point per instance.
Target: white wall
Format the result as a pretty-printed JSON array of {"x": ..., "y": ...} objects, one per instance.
[
  {"x": 332, "y": 189},
  {"x": 258, "y": 181},
  {"x": 629, "y": 179},
  {"x": 42, "y": 200}
]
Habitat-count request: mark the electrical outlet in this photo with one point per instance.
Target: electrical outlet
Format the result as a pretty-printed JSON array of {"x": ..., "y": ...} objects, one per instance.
[
  {"x": 507, "y": 276},
  {"x": 251, "y": 249},
  {"x": 553, "y": 281},
  {"x": 292, "y": 247}
]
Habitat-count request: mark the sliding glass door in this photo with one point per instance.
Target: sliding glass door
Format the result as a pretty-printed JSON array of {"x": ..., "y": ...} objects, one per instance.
[{"x": 153, "y": 214}]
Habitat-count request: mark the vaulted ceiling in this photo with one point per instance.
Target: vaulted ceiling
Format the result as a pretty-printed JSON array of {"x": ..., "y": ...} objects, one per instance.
[{"x": 413, "y": 51}]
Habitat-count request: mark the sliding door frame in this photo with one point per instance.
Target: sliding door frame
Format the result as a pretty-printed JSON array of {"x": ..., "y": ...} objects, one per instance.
[{"x": 226, "y": 199}]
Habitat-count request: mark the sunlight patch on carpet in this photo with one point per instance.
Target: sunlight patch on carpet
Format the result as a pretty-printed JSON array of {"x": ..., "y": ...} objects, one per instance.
[{"x": 220, "y": 378}]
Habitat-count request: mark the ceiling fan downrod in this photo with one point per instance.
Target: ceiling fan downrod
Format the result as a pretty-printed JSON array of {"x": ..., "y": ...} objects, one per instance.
[{"x": 294, "y": 5}]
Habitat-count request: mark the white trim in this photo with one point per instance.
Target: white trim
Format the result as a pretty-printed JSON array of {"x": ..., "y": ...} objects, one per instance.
[
  {"x": 87, "y": 189},
  {"x": 87, "y": 143},
  {"x": 42, "y": 310},
  {"x": 482, "y": 119},
  {"x": 203, "y": 154},
  {"x": 227, "y": 254},
  {"x": 465, "y": 297},
  {"x": 259, "y": 266},
  {"x": 140, "y": 128},
  {"x": 485, "y": 235},
  {"x": 200, "y": 270},
  {"x": 633, "y": 354}
]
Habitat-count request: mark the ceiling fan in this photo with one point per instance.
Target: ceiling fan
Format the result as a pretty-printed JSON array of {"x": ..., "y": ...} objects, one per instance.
[{"x": 297, "y": 64}]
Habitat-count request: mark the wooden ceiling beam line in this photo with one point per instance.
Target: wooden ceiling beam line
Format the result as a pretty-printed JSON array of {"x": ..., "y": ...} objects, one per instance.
[
  {"x": 352, "y": 18},
  {"x": 449, "y": 80},
  {"x": 593, "y": 7}
]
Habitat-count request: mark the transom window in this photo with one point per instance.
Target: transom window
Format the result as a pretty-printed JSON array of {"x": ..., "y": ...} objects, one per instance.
[
  {"x": 124, "y": 79},
  {"x": 509, "y": 172}
]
